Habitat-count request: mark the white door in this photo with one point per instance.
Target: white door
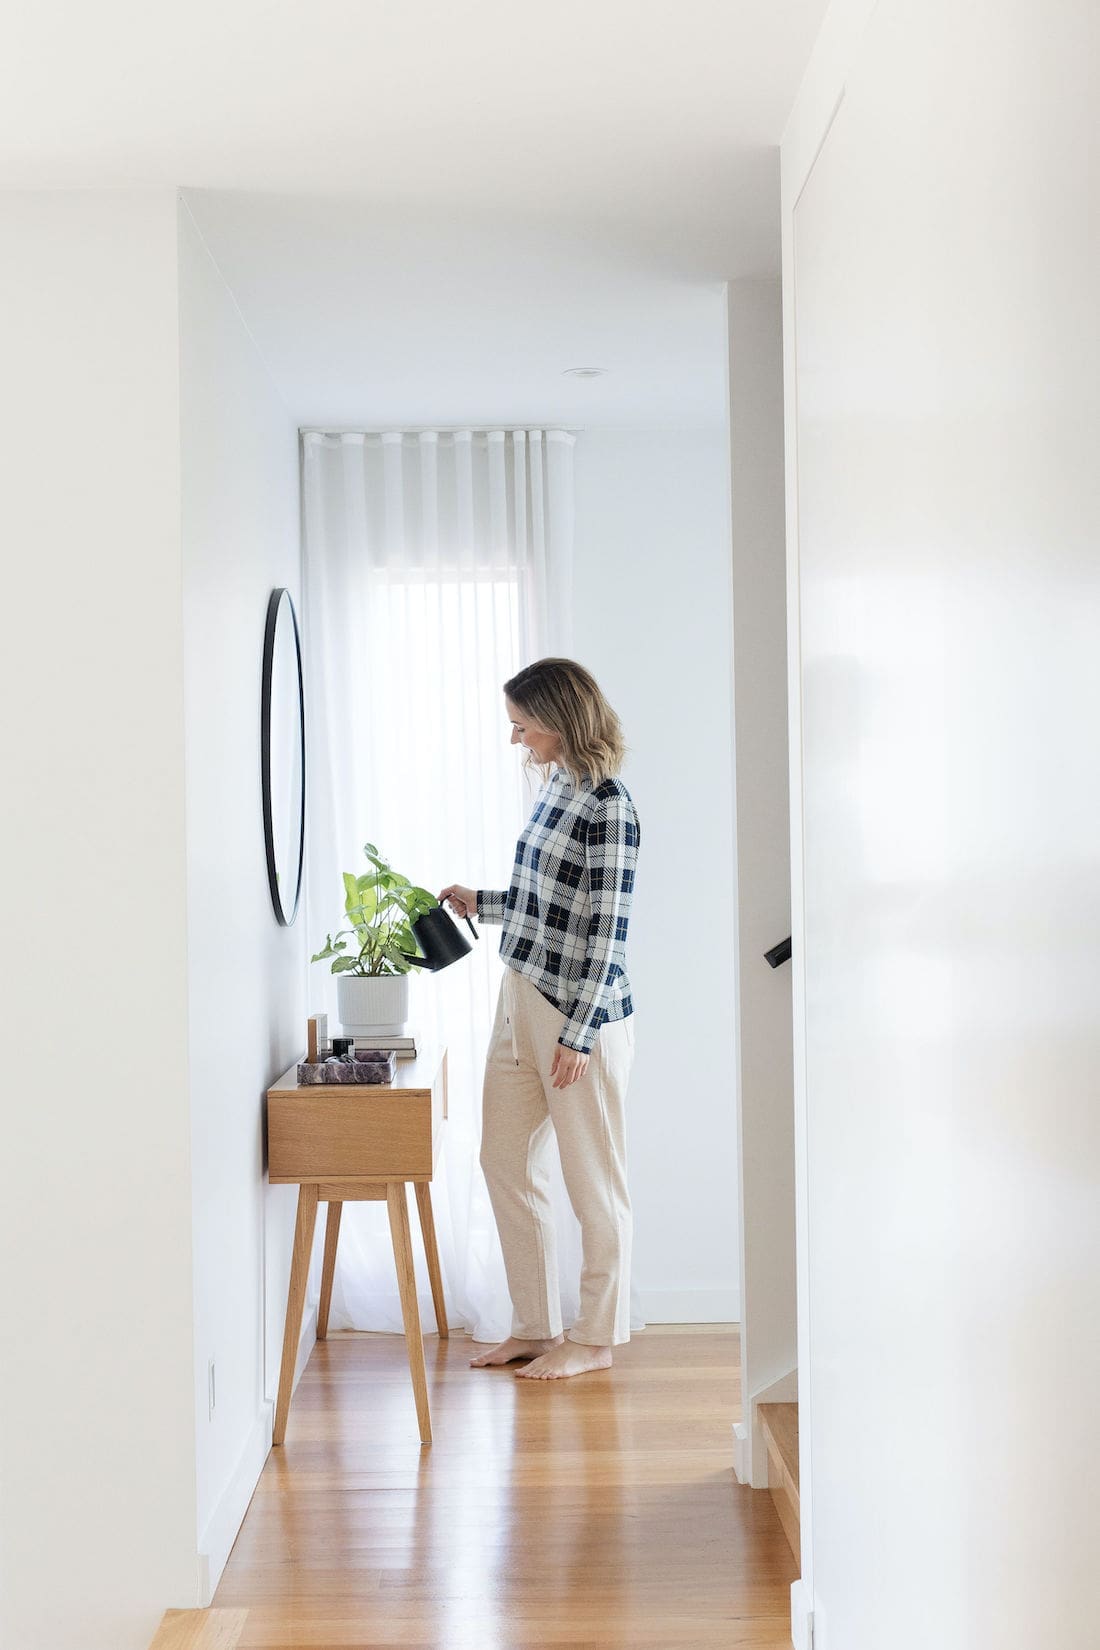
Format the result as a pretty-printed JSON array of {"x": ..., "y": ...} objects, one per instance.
[{"x": 947, "y": 363}]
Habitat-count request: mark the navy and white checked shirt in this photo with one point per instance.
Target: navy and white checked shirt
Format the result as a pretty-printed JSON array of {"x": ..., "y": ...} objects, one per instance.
[{"x": 565, "y": 913}]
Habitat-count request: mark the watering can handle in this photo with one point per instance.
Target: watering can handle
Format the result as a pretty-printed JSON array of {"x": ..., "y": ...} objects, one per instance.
[{"x": 473, "y": 930}]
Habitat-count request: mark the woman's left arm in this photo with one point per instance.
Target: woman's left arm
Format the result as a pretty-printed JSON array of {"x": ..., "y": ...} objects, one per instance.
[{"x": 611, "y": 857}]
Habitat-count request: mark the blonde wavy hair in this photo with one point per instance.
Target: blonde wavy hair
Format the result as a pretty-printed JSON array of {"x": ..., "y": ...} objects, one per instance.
[{"x": 565, "y": 699}]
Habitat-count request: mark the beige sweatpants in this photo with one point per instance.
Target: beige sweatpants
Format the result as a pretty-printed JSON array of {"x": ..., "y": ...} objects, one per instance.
[{"x": 520, "y": 1109}]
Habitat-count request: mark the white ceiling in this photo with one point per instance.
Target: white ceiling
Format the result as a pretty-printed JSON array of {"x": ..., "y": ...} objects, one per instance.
[{"x": 427, "y": 209}]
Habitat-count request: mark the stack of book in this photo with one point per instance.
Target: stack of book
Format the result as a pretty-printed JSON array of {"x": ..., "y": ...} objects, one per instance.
[{"x": 403, "y": 1047}]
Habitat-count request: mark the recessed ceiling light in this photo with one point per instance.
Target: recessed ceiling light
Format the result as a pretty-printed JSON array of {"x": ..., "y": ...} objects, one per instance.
[{"x": 585, "y": 372}]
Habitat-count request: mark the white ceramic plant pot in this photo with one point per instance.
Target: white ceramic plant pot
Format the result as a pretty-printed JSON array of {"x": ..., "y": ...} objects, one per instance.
[{"x": 375, "y": 1005}]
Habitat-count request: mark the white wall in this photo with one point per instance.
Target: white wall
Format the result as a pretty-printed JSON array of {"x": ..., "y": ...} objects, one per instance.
[
  {"x": 246, "y": 972},
  {"x": 653, "y": 623},
  {"x": 97, "y": 1516},
  {"x": 766, "y": 1140},
  {"x": 942, "y": 270},
  {"x": 139, "y": 928}
]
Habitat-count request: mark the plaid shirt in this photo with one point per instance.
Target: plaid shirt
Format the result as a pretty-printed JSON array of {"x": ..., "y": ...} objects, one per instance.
[{"x": 565, "y": 914}]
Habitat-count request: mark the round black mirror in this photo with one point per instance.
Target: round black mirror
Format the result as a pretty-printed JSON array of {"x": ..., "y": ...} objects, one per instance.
[{"x": 283, "y": 755}]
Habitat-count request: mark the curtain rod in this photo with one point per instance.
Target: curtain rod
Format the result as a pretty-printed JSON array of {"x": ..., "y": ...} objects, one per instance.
[{"x": 443, "y": 429}]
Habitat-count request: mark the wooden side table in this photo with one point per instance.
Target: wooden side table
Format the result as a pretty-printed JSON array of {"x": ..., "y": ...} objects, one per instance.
[{"x": 360, "y": 1142}]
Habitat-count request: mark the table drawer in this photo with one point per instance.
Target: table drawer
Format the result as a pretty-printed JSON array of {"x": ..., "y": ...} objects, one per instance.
[{"x": 327, "y": 1134}]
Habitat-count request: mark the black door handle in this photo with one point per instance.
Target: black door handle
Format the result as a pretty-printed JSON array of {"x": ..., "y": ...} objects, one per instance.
[{"x": 780, "y": 953}]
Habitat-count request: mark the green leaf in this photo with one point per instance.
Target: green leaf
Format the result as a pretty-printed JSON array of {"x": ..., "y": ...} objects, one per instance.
[
  {"x": 363, "y": 900},
  {"x": 331, "y": 948}
]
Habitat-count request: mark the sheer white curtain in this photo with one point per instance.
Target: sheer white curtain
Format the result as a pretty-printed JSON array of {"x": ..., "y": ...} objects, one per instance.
[{"x": 437, "y": 564}]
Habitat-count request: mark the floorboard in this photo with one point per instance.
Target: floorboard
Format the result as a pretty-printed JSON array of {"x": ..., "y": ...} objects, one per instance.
[{"x": 598, "y": 1511}]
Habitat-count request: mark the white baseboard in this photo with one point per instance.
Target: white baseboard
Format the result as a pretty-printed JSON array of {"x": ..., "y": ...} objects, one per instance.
[
  {"x": 224, "y": 1526},
  {"x": 802, "y": 1618},
  {"x": 228, "y": 1516},
  {"x": 742, "y": 1463},
  {"x": 691, "y": 1305},
  {"x": 783, "y": 1391}
]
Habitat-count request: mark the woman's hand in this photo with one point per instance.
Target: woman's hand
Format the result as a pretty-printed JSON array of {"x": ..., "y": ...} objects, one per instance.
[
  {"x": 569, "y": 1064},
  {"x": 463, "y": 901}
]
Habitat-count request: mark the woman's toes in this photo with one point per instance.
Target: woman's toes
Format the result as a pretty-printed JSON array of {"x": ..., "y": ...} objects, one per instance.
[
  {"x": 567, "y": 1358},
  {"x": 510, "y": 1351}
]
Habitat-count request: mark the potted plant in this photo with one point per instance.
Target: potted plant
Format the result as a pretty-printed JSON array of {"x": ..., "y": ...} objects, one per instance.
[{"x": 371, "y": 957}]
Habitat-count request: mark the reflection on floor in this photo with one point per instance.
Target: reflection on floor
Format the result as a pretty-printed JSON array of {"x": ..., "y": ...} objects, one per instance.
[{"x": 601, "y": 1510}]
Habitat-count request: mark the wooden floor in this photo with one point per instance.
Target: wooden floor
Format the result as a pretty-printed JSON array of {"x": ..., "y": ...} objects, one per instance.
[{"x": 599, "y": 1511}]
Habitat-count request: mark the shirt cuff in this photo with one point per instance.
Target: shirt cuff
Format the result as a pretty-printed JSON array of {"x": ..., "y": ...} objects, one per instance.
[
  {"x": 490, "y": 904},
  {"x": 580, "y": 1038}
]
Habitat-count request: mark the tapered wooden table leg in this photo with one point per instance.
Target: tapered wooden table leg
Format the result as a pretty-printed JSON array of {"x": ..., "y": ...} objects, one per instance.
[
  {"x": 295, "y": 1301},
  {"x": 397, "y": 1199},
  {"x": 431, "y": 1251},
  {"x": 328, "y": 1270}
]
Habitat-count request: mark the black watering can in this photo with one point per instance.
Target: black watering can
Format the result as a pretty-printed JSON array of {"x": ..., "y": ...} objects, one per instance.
[{"x": 440, "y": 938}]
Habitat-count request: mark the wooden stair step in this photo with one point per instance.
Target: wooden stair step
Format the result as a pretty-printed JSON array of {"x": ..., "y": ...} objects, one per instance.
[
  {"x": 199, "y": 1630},
  {"x": 780, "y": 1426},
  {"x": 780, "y": 1422}
]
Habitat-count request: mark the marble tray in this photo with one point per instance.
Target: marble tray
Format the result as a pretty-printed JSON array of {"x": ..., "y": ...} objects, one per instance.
[{"x": 377, "y": 1069}]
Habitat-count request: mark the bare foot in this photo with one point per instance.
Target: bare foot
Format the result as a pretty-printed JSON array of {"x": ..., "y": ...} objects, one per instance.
[
  {"x": 567, "y": 1358},
  {"x": 508, "y": 1351}
]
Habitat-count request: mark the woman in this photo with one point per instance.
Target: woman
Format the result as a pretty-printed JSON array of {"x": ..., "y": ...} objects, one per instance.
[{"x": 562, "y": 1044}]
